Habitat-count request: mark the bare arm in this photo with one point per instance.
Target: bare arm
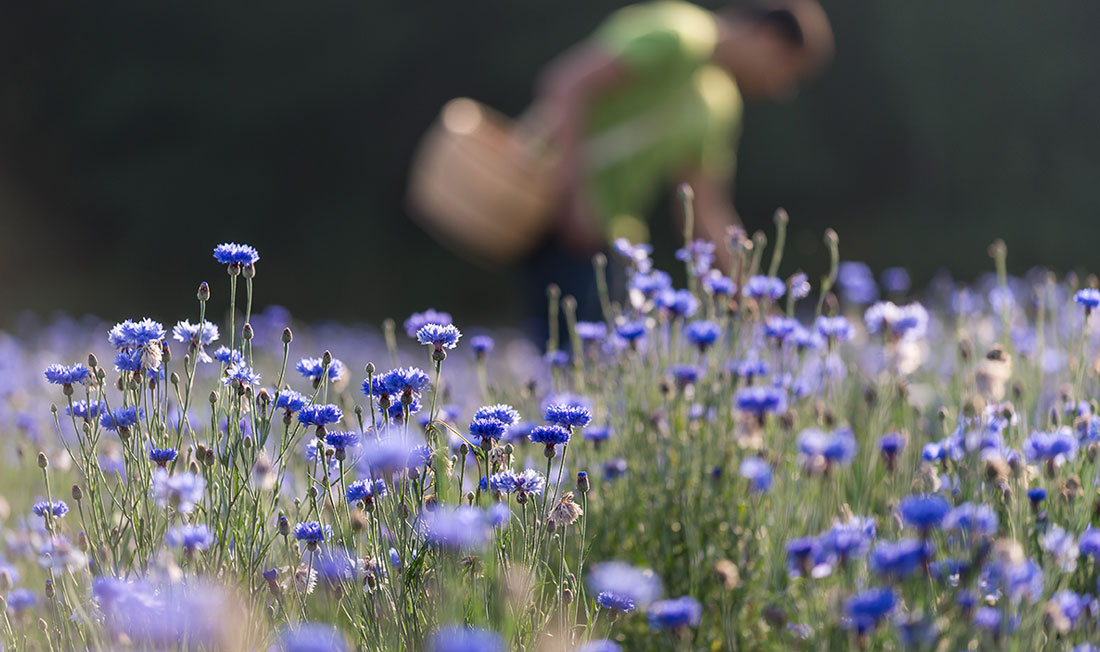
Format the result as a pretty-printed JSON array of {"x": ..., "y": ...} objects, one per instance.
[
  {"x": 565, "y": 91},
  {"x": 714, "y": 213}
]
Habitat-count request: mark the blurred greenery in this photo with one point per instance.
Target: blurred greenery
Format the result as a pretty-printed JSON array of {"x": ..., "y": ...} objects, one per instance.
[{"x": 135, "y": 136}]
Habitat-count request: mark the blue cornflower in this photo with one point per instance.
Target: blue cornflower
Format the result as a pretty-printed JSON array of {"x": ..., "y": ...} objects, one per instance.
[
  {"x": 85, "y": 410},
  {"x": 675, "y": 613},
  {"x": 684, "y": 374},
  {"x": 895, "y": 279},
  {"x": 320, "y": 415},
  {"x": 649, "y": 284},
  {"x": 483, "y": 429},
  {"x": 591, "y": 331},
  {"x": 865, "y": 610},
  {"x": 182, "y": 491},
  {"x": 718, "y": 284},
  {"x": 405, "y": 381},
  {"x": 988, "y": 618},
  {"x": 1036, "y": 495},
  {"x": 462, "y": 528},
  {"x": 21, "y": 599},
  {"x": 502, "y": 412},
  {"x": 614, "y": 468},
  {"x": 1017, "y": 580},
  {"x": 550, "y": 435},
  {"x": 342, "y": 440},
  {"x": 976, "y": 521},
  {"x": 836, "y": 329},
  {"x": 857, "y": 283},
  {"x": 802, "y": 555},
  {"x": 1057, "y": 447},
  {"x": 196, "y": 336},
  {"x": 799, "y": 286},
  {"x": 129, "y": 335},
  {"x": 395, "y": 559},
  {"x": 57, "y": 509},
  {"x": 757, "y": 472},
  {"x": 637, "y": 584},
  {"x": 362, "y": 490},
  {"x": 749, "y": 369},
  {"x": 312, "y": 533},
  {"x": 700, "y": 253},
  {"x": 419, "y": 320},
  {"x": 311, "y": 637},
  {"x": 188, "y": 333},
  {"x": 557, "y": 358},
  {"x": 891, "y": 444},
  {"x": 529, "y": 481},
  {"x": 759, "y": 287},
  {"x": 459, "y": 638},
  {"x": 631, "y": 330},
  {"x": 899, "y": 559},
  {"x": 242, "y": 375},
  {"x": 234, "y": 254},
  {"x": 481, "y": 344},
  {"x": 291, "y": 401},
  {"x": 837, "y": 448},
  {"x": 923, "y": 512},
  {"x": 128, "y": 361},
  {"x": 598, "y": 433},
  {"x": 1088, "y": 298},
  {"x": 228, "y": 357},
  {"x": 613, "y": 602},
  {"x": 780, "y": 328},
  {"x": 1061, "y": 546},
  {"x": 845, "y": 541},
  {"x": 1089, "y": 543},
  {"x": 313, "y": 368},
  {"x": 635, "y": 254},
  {"x": 121, "y": 418},
  {"x": 568, "y": 416},
  {"x": 761, "y": 400},
  {"x": 1073, "y": 605},
  {"x": 189, "y": 537},
  {"x": 702, "y": 333},
  {"x": 61, "y": 375},
  {"x": 162, "y": 456},
  {"x": 679, "y": 303},
  {"x": 397, "y": 410},
  {"x": 440, "y": 337}
]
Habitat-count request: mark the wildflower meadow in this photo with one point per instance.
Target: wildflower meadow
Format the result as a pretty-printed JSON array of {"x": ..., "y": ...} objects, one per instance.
[{"x": 833, "y": 460}]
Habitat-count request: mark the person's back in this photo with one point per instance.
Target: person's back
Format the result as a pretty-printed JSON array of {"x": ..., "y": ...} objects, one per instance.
[{"x": 677, "y": 111}]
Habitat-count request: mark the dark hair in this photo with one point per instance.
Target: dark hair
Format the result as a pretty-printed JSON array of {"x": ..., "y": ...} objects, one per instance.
[{"x": 783, "y": 21}]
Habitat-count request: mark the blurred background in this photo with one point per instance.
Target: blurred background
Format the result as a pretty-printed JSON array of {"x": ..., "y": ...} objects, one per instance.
[{"x": 136, "y": 136}]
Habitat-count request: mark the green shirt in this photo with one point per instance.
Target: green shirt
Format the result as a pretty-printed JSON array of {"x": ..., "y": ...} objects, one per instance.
[{"x": 679, "y": 113}]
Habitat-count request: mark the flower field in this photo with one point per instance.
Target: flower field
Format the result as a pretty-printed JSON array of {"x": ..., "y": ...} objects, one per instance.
[{"x": 748, "y": 463}]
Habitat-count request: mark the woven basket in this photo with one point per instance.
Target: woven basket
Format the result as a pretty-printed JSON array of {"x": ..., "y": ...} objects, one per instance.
[{"x": 481, "y": 185}]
